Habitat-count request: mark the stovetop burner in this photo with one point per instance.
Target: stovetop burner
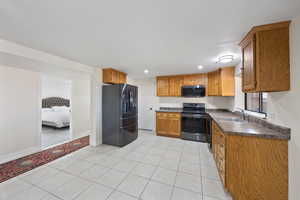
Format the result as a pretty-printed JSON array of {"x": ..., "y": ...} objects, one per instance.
[{"x": 197, "y": 108}]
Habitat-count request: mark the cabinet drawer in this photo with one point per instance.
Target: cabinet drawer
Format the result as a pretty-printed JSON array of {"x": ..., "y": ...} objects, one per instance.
[
  {"x": 176, "y": 115},
  {"x": 168, "y": 115},
  {"x": 161, "y": 114}
]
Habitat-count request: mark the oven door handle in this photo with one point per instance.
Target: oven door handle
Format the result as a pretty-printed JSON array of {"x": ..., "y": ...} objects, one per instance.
[{"x": 195, "y": 116}]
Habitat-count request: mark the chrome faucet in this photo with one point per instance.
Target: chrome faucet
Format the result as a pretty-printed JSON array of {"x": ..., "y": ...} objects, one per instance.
[{"x": 243, "y": 113}]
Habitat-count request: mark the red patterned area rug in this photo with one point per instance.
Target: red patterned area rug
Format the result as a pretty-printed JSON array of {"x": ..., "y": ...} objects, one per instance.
[{"x": 16, "y": 167}]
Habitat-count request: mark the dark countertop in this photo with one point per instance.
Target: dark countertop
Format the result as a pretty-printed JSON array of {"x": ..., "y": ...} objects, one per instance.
[
  {"x": 164, "y": 109},
  {"x": 231, "y": 123}
]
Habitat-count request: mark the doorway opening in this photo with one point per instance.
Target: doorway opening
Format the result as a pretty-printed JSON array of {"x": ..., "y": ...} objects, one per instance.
[{"x": 56, "y": 111}]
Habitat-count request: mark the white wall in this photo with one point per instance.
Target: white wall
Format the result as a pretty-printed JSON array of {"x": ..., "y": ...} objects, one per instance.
[
  {"x": 31, "y": 61},
  {"x": 55, "y": 87},
  {"x": 210, "y": 102},
  {"x": 50, "y": 63},
  {"x": 96, "y": 108},
  {"x": 19, "y": 112},
  {"x": 147, "y": 103},
  {"x": 283, "y": 109},
  {"x": 80, "y": 105}
]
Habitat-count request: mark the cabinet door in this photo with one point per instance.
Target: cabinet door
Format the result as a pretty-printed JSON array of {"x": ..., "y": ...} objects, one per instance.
[
  {"x": 227, "y": 81},
  {"x": 162, "y": 86},
  {"x": 107, "y": 75},
  {"x": 249, "y": 76},
  {"x": 214, "y": 83},
  {"x": 188, "y": 80},
  {"x": 273, "y": 60},
  {"x": 200, "y": 79},
  {"x": 210, "y": 86},
  {"x": 218, "y": 89},
  {"x": 195, "y": 79},
  {"x": 214, "y": 140},
  {"x": 174, "y": 127},
  {"x": 115, "y": 76},
  {"x": 175, "y": 86},
  {"x": 122, "y": 77},
  {"x": 162, "y": 124}
]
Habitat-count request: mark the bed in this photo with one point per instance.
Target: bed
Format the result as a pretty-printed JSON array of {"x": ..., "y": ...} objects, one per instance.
[{"x": 56, "y": 112}]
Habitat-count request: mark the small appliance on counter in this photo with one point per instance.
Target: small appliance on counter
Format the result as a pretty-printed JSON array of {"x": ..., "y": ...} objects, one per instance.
[
  {"x": 193, "y": 91},
  {"x": 119, "y": 114},
  {"x": 196, "y": 123}
]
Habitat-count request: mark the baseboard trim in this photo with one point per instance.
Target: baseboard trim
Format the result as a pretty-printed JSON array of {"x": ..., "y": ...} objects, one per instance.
[
  {"x": 82, "y": 134},
  {"x": 144, "y": 129},
  {"x": 31, "y": 150},
  {"x": 19, "y": 154}
]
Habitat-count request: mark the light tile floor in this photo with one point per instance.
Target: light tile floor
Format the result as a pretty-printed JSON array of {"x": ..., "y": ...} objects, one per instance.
[{"x": 150, "y": 168}]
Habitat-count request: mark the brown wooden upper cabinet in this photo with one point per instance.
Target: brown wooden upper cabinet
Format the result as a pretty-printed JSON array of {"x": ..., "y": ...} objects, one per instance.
[
  {"x": 221, "y": 82},
  {"x": 162, "y": 86},
  {"x": 195, "y": 79},
  {"x": 113, "y": 76},
  {"x": 122, "y": 77},
  {"x": 217, "y": 83},
  {"x": 175, "y": 83},
  {"x": 265, "y": 55},
  {"x": 171, "y": 85}
]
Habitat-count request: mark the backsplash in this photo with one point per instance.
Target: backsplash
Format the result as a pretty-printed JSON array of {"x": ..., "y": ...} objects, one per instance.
[{"x": 210, "y": 102}]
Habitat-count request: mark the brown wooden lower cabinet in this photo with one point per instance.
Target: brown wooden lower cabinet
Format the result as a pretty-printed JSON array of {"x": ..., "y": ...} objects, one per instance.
[
  {"x": 251, "y": 167},
  {"x": 168, "y": 124}
]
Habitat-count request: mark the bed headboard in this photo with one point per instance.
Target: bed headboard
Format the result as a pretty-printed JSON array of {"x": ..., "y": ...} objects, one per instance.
[{"x": 55, "y": 101}]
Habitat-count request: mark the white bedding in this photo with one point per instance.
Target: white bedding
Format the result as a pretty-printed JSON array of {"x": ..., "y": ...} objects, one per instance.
[{"x": 56, "y": 116}]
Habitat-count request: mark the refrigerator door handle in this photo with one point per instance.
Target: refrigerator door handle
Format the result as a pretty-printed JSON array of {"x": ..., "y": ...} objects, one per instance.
[
  {"x": 122, "y": 93},
  {"x": 129, "y": 117}
]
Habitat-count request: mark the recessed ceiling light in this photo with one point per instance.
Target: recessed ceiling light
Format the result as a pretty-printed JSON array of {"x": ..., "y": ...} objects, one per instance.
[
  {"x": 200, "y": 67},
  {"x": 146, "y": 71},
  {"x": 225, "y": 59}
]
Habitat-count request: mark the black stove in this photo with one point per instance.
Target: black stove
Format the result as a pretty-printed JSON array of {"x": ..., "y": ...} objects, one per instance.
[
  {"x": 196, "y": 123},
  {"x": 193, "y": 108}
]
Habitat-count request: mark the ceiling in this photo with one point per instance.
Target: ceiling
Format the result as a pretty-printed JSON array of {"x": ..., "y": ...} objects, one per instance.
[{"x": 163, "y": 36}]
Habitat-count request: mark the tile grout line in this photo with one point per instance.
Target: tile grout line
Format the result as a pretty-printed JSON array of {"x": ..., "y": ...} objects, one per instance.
[
  {"x": 157, "y": 166},
  {"x": 129, "y": 173}
]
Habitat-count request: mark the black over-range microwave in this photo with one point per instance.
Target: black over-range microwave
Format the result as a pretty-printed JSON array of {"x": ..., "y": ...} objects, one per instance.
[{"x": 193, "y": 91}]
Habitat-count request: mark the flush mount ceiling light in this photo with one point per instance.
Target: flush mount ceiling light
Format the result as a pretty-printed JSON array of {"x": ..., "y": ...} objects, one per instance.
[
  {"x": 225, "y": 59},
  {"x": 200, "y": 67},
  {"x": 146, "y": 71}
]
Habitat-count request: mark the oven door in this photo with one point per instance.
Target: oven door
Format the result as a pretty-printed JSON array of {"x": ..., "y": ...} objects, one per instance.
[{"x": 196, "y": 127}]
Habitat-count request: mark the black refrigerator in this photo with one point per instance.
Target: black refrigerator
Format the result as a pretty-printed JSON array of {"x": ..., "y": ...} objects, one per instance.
[{"x": 119, "y": 114}]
